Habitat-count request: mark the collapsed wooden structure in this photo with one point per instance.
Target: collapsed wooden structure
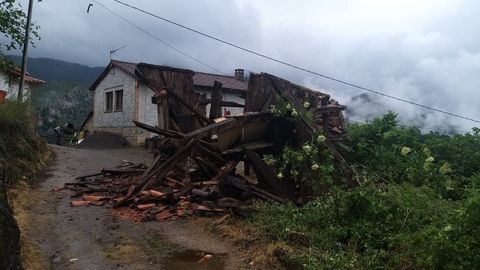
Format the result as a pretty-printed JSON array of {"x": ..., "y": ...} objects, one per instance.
[{"x": 194, "y": 148}]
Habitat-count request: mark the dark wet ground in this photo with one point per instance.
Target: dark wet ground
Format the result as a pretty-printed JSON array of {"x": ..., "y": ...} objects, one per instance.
[{"x": 91, "y": 238}]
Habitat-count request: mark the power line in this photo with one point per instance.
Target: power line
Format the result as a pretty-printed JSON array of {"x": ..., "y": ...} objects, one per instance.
[
  {"x": 157, "y": 38},
  {"x": 296, "y": 66}
]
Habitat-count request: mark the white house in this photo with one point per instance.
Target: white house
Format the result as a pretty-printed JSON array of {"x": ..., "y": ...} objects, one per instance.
[
  {"x": 9, "y": 84},
  {"x": 120, "y": 97}
]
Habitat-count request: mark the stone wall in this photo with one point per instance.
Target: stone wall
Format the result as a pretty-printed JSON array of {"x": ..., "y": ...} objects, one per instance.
[{"x": 115, "y": 80}]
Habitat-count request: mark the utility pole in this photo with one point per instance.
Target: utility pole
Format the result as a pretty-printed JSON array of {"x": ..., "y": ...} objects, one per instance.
[{"x": 25, "y": 50}]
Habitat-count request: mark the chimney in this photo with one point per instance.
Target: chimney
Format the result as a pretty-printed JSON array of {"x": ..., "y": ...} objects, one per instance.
[{"x": 239, "y": 74}]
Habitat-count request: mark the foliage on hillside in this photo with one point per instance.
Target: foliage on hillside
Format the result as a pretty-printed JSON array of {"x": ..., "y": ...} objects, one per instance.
[
  {"x": 58, "y": 102},
  {"x": 65, "y": 97},
  {"x": 22, "y": 151},
  {"x": 418, "y": 205}
]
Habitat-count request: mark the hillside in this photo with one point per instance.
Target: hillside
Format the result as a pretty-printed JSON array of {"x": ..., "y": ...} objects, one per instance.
[{"x": 65, "y": 97}]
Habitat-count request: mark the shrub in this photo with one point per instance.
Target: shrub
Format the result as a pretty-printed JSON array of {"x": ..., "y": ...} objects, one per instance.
[
  {"x": 22, "y": 151},
  {"x": 418, "y": 205}
]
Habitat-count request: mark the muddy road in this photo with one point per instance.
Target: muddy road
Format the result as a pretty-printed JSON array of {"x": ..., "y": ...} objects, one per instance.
[{"x": 91, "y": 238}]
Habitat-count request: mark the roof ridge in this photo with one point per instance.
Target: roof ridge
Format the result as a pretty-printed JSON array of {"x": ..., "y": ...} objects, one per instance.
[
  {"x": 120, "y": 61},
  {"x": 221, "y": 75}
]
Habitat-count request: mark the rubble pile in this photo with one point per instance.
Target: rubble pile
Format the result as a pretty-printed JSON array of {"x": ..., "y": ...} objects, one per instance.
[{"x": 199, "y": 159}]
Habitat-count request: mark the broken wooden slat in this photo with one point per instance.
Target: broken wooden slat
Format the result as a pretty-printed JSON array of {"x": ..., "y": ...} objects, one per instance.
[
  {"x": 211, "y": 154},
  {"x": 249, "y": 146},
  {"x": 163, "y": 169},
  {"x": 266, "y": 195},
  {"x": 268, "y": 176},
  {"x": 225, "y": 170},
  {"x": 163, "y": 132},
  {"x": 215, "y": 108}
]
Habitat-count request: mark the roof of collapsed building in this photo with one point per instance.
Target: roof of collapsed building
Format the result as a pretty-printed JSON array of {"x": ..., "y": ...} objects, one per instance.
[
  {"x": 197, "y": 157},
  {"x": 200, "y": 79}
]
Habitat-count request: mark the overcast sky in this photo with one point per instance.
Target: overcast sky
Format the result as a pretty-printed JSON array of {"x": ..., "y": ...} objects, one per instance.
[{"x": 425, "y": 51}]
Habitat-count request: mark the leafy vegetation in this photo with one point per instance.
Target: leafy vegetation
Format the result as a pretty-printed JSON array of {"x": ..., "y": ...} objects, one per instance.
[
  {"x": 65, "y": 97},
  {"x": 22, "y": 151},
  {"x": 12, "y": 24},
  {"x": 417, "y": 206}
]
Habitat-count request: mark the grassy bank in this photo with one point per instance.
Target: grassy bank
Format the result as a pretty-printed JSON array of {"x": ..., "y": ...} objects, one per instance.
[
  {"x": 417, "y": 205},
  {"x": 22, "y": 154}
]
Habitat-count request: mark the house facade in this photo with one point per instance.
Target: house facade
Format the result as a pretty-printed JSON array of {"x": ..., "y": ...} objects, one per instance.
[
  {"x": 121, "y": 97},
  {"x": 9, "y": 84}
]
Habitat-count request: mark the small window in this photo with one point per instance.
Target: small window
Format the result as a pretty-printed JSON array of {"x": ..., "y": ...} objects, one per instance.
[
  {"x": 118, "y": 100},
  {"x": 108, "y": 101}
]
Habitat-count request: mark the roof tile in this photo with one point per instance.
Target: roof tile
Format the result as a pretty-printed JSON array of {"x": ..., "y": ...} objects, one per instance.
[{"x": 199, "y": 79}]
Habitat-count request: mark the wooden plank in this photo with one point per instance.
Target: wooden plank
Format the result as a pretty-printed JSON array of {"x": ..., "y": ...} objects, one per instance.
[
  {"x": 162, "y": 170},
  {"x": 268, "y": 176},
  {"x": 211, "y": 129},
  {"x": 163, "y": 132},
  {"x": 156, "y": 173},
  {"x": 266, "y": 195},
  {"x": 249, "y": 146},
  {"x": 211, "y": 154},
  {"x": 215, "y": 108},
  {"x": 225, "y": 170},
  {"x": 160, "y": 78}
]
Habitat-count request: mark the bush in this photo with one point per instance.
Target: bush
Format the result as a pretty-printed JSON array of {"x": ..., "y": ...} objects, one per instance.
[
  {"x": 418, "y": 205},
  {"x": 22, "y": 151}
]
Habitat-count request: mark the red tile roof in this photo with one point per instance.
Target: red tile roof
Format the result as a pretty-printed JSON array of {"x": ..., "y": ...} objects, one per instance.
[
  {"x": 28, "y": 79},
  {"x": 207, "y": 80},
  {"x": 125, "y": 66},
  {"x": 199, "y": 79}
]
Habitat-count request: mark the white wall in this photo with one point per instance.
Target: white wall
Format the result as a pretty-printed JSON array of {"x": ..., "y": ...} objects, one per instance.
[
  {"x": 226, "y": 96},
  {"x": 147, "y": 111},
  {"x": 115, "y": 80},
  {"x": 12, "y": 87}
]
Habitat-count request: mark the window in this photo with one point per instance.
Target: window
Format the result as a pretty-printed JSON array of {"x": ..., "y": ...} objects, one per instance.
[
  {"x": 118, "y": 100},
  {"x": 108, "y": 101}
]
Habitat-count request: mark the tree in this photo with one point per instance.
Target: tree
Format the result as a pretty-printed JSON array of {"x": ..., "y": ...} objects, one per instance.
[{"x": 12, "y": 28}]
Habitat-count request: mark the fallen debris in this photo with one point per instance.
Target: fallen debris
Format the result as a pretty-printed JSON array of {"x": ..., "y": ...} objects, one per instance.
[{"x": 195, "y": 169}]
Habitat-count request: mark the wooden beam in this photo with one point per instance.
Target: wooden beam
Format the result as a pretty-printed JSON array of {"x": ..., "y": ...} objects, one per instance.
[
  {"x": 200, "y": 116},
  {"x": 215, "y": 108},
  {"x": 164, "y": 132},
  {"x": 268, "y": 176},
  {"x": 225, "y": 170}
]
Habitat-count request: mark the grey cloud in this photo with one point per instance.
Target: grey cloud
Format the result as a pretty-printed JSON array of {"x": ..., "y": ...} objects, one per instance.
[{"x": 425, "y": 52}]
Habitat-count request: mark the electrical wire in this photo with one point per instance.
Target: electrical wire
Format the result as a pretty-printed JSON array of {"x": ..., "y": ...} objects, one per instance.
[
  {"x": 296, "y": 66},
  {"x": 157, "y": 38}
]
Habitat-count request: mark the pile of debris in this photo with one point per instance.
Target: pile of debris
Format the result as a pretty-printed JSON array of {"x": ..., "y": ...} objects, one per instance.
[
  {"x": 181, "y": 193},
  {"x": 197, "y": 170}
]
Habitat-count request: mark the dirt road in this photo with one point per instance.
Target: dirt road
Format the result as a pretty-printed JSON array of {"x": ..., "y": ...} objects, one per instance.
[{"x": 90, "y": 238}]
